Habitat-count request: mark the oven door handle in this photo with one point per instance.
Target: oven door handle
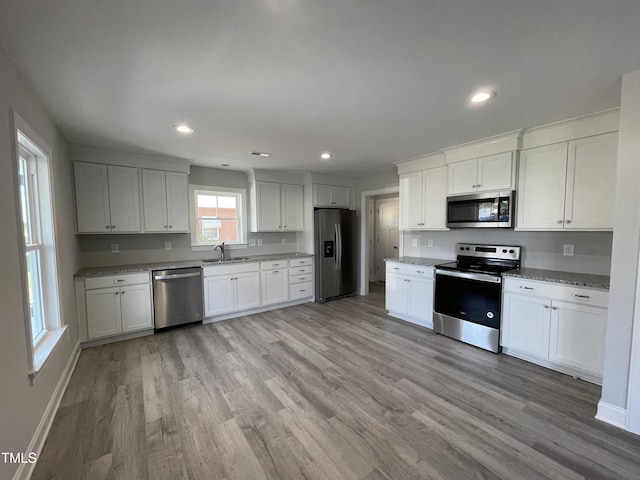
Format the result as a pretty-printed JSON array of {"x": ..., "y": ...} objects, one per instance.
[{"x": 471, "y": 276}]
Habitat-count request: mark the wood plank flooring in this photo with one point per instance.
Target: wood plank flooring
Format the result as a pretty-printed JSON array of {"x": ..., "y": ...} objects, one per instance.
[{"x": 332, "y": 391}]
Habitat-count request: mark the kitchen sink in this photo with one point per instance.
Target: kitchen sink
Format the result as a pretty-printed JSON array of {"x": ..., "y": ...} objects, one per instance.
[{"x": 232, "y": 259}]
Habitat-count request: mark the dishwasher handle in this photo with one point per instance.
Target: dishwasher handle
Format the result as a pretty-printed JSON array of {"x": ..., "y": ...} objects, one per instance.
[{"x": 179, "y": 275}]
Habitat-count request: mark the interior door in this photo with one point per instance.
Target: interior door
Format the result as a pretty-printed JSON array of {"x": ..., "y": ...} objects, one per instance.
[
  {"x": 327, "y": 278},
  {"x": 386, "y": 235}
]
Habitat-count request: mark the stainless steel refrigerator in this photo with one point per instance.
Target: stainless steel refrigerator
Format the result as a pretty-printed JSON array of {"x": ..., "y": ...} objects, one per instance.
[{"x": 335, "y": 253}]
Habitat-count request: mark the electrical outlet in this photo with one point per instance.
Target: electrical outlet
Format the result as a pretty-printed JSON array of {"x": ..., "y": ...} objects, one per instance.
[
  {"x": 414, "y": 242},
  {"x": 259, "y": 242},
  {"x": 283, "y": 241},
  {"x": 167, "y": 245},
  {"x": 252, "y": 242},
  {"x": 430, "y": 242},
  {"x": 568, "y": 250},
  {"x": 115, "y": 248}
]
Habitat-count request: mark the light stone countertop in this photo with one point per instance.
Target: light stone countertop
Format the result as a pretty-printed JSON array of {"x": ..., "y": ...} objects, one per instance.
[
  {"x": 567, "y": 278},
  {"x": 147, "y": 267},
  {"x": 422, "y": 261}
]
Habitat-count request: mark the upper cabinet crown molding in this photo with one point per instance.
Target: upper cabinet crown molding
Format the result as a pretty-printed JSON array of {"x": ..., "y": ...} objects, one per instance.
[
  {"x": 275, "y": 176},
  {"x": 80, "y": 153},
  {"x": 572, "y": 129},
  {"x": 506, "y": 142},
  {"x": 423, "y": 162}
]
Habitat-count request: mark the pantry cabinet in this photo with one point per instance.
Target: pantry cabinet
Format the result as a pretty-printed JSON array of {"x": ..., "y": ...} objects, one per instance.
[
  {"x": 423, "y": 200},
  {"x": 568, "y": 185},
  {"x": 277, "y": 207},
  {"x": 107, "y": 198},
  {"x": 557, "y": 326},
  {"x": 165, "y": 201},
  {"x": 409, "y": 293},
  {"x": 483, "y": 174}
]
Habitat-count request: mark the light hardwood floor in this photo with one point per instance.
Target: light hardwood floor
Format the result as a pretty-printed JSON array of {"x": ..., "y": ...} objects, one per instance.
[{"x": 331, "y": 391}]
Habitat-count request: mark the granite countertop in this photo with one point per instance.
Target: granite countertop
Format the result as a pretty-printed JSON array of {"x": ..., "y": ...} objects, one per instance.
[
  {"x": 422, "y": 261},
  {"x": 567, "y": 278},
  {"x": 147, "y": 267}
]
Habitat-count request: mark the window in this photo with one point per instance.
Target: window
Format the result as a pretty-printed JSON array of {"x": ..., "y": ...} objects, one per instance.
[
  {"x": 218, "y": 214},
  {"x": 43, "y": 325}
]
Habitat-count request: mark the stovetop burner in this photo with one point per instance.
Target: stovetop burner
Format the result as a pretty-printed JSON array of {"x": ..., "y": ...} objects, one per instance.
[
  {"x": 486, "y": 259},
  {"x": 477, "y": 267}
]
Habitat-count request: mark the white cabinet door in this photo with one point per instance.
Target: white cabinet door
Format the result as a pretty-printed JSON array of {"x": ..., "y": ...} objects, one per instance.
[
  {"x": 591, "y": 182},
  {"x": 292, "y": 207},
  {"x": 322, "y": 195},
  {"x": 340, "y": 197},
  {"x": 541, "y": 188},
  {"x": 463, "y": 177},
  {"x": 577, "y": 336},
  {"x": 268, "y": 206},
  {"x": 247, "y": 290},
  {"x": 526, "y": 323},
  {"x": 103, "y": 312},
  {"x": 92, "y": 197},
  {"x": 396, "y": 293},
  {"x": 495, "y": 172},
  {"x": 219, "y": 293},
  {"x": 135, "y": 301},
  {"x": 275, "y": 287},
  {"x": 177, "y": 202},
  {"x": 411, "y": 191},
  {"x": 435, "y": 198},
  {"x": 154, "y": 200},
  {"x": 124, "y": 199},
  {"x": 420, "y": 300}
]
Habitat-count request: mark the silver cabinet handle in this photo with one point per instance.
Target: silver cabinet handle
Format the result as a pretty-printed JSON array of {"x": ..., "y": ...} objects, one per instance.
[
  {"x": 554, "y": 308},
  {"x": 419, "y": 271},
  {"x": 120, "y": 280},
  {"x": 113, "y": 227},
  {"x": 560, "y": 221},
  {"x": 107, "y": 227},
  {"x": 165, "y": 227},
  {"x": 122, "y": 293},
  {"x": 474, "y": 186},
  {"x": 526, "y": 288},
  {"x": 479, "y": 185},
  {"x": 396, "y": 268},
  {"x": 276, "y": 271},
  {"x": 117, "y": 293},
  {"x": 580, "y": 296},
  {"x": 302, "y": 291},
  {"x": 546, "y": 306},
  {"x": 567, "y": 221},
  {"x": 170, "y": 226}
]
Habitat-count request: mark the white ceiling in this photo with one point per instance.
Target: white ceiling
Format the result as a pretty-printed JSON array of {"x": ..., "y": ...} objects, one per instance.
[{"x": 372, "y": 81}]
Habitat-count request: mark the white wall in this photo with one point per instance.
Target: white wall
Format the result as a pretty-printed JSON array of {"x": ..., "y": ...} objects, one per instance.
[
  {"x": 626, "y": 245},
  {"x": 21, "y": 404}
]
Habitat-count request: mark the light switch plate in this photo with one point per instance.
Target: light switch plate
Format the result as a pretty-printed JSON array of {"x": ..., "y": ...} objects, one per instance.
[
  {"x": 259, "y": 242},
  {"x": 568, "y": 250},
  {"x": 284, "y": 240},
  {"x": 115, "y": 248},
  {"x": 252, "y": 242},
  {"x": 430, "y": 243},
  {"x": 414, "y": 242}
]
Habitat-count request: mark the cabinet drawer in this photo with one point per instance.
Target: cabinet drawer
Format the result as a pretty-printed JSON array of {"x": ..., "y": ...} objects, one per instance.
[
  {"x": 567, "y": 293},
  {"x": 274, "y": 264},
  {"x": 299, "y": 262},
  {"x": 117, "y": 280},
  {"x": 305, "y": 277},
  {"x": 300, "y": 290},
  {"x": 308, "y": 270},
  {"x": 408, "y": 269},
  {"x": 210, "y": 270}
]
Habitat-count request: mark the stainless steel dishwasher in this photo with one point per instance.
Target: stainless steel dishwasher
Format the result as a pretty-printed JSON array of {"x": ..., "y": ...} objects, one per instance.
[{"x": 177, "y": 296}]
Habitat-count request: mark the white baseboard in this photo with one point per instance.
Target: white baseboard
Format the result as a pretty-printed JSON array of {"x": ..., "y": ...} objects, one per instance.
[
  {"x": 612, "y": 415},
  {"x": 25, "y": 470},
  {"x": 244, "y": 313}
]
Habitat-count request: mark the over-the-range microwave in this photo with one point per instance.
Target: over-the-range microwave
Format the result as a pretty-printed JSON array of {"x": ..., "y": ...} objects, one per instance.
[{"x": 481, "y": 210}]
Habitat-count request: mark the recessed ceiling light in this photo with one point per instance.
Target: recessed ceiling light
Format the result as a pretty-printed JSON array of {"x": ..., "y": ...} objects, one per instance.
[
  {"x": 182, "y": 128},
  {"x": 482, "y": 96},
  {"x": 325, "y": 156},
  {"x": 261, "y": 154}
]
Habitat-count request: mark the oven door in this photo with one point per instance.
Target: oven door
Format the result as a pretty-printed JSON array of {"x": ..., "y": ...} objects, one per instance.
[{"x": 472, "y": 297}]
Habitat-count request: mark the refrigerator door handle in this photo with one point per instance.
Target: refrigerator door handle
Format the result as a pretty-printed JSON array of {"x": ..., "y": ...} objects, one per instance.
[
  {"x": 339, "y": 228},
  {"x": 336, "y": 243}
]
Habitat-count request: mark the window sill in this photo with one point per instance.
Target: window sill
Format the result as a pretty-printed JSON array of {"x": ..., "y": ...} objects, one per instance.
[
  {"x": 43, "y": 349},
  {"x": 208, "y": 248}
]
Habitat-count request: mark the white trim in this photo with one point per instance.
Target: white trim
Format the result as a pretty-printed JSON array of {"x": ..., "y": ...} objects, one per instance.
[
  {"x": 25, "y": 470},
  {"x": 79, "y": 153},
  {"x": 267, "y": 308},
  {"x": 43, "y": 350},
  {"x": 364, "y": 246},
  {"x": 633, "y": 390},
  {"x": 115, "y": 338},
  {"x": 244, "y": 225},
  {"x": 611, "y": 414}
]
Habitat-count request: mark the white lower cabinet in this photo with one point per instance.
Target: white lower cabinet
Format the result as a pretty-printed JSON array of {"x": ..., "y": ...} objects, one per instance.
[
  {"x": 114, "y": 310},
  {"x": 275, "y": 286},
  {"x": 409, "y": 293},
  {"x": 557, "y": 326},
  {"x": 231, "y": 288}
]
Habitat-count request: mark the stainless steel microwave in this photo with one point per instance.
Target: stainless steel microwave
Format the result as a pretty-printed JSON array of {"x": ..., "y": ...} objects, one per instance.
[{"x": 481, "y": 210}]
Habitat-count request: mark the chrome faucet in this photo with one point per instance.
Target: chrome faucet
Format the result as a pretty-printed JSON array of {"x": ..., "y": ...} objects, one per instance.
[{"x": 221, "y": 247}]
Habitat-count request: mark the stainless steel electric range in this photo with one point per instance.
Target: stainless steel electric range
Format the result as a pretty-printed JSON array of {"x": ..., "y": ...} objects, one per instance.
[{"x": 468, "y": 293}]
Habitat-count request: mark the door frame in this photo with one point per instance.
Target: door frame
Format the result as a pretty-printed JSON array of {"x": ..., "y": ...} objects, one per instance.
[
  {"x": 374, "y": 229},
  {"x": 365, "y": 235}
]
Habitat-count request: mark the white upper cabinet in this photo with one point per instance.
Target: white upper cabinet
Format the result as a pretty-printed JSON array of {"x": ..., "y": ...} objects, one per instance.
[
  {"x": 568, "y": 185},
  {"x": 423, "y": 199},
  {"x": 277, "y": 207},
  {"x": 331, "y": 196},
  {"x": 107, "y": 198},
  {"x": 165, "y": 201},
  {"x": 483, "y": 174}
]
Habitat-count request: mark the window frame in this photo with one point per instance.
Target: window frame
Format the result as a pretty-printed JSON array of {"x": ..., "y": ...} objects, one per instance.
[
  {"x": 241, "y": 195},
  {"x": 26, "y": 141}
]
